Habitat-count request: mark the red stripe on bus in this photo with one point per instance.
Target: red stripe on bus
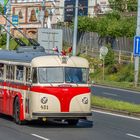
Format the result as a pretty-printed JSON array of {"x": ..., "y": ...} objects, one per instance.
[{"x": 64, "y": 94}]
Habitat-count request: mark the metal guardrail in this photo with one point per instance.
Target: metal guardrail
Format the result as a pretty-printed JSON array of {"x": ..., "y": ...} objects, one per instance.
[{"x": 120, "y": 56}]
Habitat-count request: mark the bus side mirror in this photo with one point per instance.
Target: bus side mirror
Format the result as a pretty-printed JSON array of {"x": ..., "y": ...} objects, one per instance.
[{"x": 91, "y": 83}]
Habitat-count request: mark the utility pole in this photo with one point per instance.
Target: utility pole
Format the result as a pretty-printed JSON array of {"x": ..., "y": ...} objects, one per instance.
[
  {"x": 136, "y": 63},
  {"x": 75, "y": 28},
  {"x": 42, "y": 14},
  {"x": 8, "y": 24}
]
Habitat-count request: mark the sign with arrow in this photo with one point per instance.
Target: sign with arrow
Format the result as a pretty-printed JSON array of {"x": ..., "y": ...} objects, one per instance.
[{"x": 137, "y": 46}]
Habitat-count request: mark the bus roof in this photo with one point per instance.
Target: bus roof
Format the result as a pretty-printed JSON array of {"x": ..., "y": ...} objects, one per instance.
[
  {"x": 19, "y": 57},
  {"x": 55, "y": 60},
  {"x": 41, "y": 58}
]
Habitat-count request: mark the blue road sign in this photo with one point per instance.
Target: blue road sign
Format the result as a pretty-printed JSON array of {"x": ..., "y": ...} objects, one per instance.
[
  {"x": 15, "y": 19},
  {"x": 5, "y": 9},
  {"x": 137, "y": 46}
]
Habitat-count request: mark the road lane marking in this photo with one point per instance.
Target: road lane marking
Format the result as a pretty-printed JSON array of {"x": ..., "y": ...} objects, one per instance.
[
  {"x": 120, "y": 89},
  {"x": 134, "y": 136},
  {"x": 110, "y": 94},
  {"x": 117, "y": 115},
  {"x": 43, "y": 138}
]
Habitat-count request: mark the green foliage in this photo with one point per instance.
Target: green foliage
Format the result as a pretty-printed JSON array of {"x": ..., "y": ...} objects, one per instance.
[
  {"x": 86, "y": 24},
  {"x": 115, "y": 105},
  {"x": 113, "y": 72},
  {"x": 2, "y": 39},
  {"x": 132, "y": 5},
  {"x": 111, "y": 24},
  {"x": 126, "y": 73},
  {"x": 111, "y": 69},
  {"x": 1, "y": 9},
  {"x": 102, "y": 26},
  {"x": 109, "y": 59},
  {"x": 124, "y": 5},
  {"x": 114, "y": 15}
]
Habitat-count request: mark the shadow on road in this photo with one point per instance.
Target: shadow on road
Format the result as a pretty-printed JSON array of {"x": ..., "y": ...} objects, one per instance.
[
  {"x": 55, "y": 124},
  {"x": 50, "y": 123}
]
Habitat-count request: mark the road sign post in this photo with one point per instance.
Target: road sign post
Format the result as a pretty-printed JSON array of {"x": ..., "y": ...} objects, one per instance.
[
  {"x": 136, "y": 46},
  {"x": 103, "y": 53},
  {"x": 8, "y": 6}
]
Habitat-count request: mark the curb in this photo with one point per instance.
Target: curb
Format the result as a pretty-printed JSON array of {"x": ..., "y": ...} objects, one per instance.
[
  {"x": 111, "y": 86},
  {"x": 116, "y": 111}
]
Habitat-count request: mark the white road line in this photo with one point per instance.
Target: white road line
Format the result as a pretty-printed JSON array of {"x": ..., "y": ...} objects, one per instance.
[
  {"x": 43, "y": 138},
  {"x": 120, "y": 89},
  {"x": 117, "y": 115},
  {"x": 134, "y": 136},
  {"x": 110, "y": 94}
]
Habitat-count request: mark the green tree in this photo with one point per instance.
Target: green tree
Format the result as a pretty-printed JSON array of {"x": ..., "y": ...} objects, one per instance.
[
  {"x": 1, "y": 8},
  {"x": 132, "y": 5},
  {"x": 123, "y": 5},
  {"x": 113, "y": 25}
]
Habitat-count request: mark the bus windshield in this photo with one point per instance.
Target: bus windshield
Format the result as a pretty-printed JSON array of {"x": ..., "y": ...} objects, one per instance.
[{"x": 63, "y": 74}]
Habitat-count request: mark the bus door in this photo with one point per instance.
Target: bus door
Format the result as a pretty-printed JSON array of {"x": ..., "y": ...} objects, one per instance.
[
  {"x": 28, "y": 84},
  {"x": 10, "y": 69},
  {"x": 1, "y": 95},
  {"x": 1, "y": 86}
]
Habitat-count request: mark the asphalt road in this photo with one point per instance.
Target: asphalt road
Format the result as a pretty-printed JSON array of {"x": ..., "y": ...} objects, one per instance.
[
  {"x": 116, "y": 93},
  {"x": 105, "y": 127}
]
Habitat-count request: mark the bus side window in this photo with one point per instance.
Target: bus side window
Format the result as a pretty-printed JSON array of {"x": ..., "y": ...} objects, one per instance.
[
  {"x": 1, "y": 70},
  {"x": 19, "y": 73},
  {"x": 34, "y": 76},
  {"x": 28, "y": 74},
  {"x": 10, "y": 70}
]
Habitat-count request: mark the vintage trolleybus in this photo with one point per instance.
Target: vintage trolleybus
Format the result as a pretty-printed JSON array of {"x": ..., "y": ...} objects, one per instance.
[{"x": 35, "y": 85}]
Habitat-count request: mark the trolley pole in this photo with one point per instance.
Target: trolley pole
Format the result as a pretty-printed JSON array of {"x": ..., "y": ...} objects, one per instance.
[
  {"x": 75, "y": 28},
  {"x": 8, "y": 24},
  {"x": 136, "y": 63}
]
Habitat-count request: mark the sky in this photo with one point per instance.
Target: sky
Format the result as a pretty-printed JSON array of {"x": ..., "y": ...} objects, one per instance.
[{"x": 2, "y": 1}]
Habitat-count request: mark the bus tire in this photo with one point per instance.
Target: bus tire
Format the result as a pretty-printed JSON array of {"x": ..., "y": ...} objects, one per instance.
[
  {"x": 73, "y": 122},
  {"x": 17, "y": 112}
]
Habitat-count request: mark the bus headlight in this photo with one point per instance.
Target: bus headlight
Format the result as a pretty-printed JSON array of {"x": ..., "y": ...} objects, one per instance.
[{"x": 85, "y": 100}]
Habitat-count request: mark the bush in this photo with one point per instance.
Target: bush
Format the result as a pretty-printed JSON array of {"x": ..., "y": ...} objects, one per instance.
[
  {"x": 126, "y": 73},
  {"x": 112, "y": 69},
  {"x": 109, "y": 59}
]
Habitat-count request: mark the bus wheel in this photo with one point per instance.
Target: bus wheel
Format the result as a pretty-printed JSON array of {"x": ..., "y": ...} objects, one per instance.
[
  {"x": 17, "y": 111},
  {"x": 72, "y": 122}
]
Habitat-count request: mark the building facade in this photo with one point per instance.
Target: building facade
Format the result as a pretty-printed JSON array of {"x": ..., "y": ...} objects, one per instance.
[{"x": 34, "y": 14}]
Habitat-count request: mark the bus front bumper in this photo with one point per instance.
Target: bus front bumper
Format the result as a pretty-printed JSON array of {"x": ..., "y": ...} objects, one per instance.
[{"x": 61, "y": 115}]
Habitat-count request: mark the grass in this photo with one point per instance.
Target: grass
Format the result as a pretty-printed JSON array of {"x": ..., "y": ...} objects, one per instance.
[
  {"x": 13, "y": 45},
  {"x": 115, "y": 105}
]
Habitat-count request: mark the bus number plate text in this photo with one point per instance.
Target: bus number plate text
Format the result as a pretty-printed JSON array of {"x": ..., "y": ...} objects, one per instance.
[{"x": 44, "y": 107}]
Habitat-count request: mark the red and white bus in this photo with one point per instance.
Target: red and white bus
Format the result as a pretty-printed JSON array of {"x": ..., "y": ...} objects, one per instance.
[{"x": 35, "y": 85}]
